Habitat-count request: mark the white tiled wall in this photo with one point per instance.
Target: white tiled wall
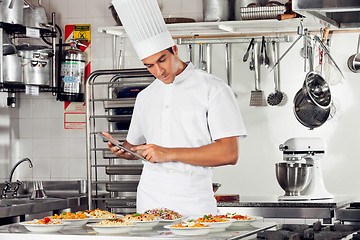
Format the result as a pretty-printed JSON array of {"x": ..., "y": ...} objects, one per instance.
[{"x": 35, "y": 128}]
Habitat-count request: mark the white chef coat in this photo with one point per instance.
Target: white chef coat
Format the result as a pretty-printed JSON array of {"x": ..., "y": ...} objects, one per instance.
[{"x": 194, "y": 110}]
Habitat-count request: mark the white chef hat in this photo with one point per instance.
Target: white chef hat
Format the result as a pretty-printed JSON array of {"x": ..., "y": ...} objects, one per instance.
[{"x": 144, "y": 25}]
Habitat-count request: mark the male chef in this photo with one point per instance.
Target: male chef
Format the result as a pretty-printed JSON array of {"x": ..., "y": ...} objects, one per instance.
[{"x": 184, "y": 123}]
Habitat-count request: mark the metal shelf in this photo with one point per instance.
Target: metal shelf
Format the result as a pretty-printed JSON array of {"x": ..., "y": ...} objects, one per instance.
[
  {"x": 102, "y": 99},
  {"x": 229, "y": 28}
]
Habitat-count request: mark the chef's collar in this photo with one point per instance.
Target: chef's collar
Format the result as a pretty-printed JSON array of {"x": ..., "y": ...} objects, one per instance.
[{"x": 184, "y": 74}]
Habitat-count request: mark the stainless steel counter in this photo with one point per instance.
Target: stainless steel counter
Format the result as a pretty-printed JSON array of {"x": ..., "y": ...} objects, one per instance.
[
  {"x": 270, "y": 207},
  {"x": 16, "y": 207},
  {"x": 18, "y": 232}
]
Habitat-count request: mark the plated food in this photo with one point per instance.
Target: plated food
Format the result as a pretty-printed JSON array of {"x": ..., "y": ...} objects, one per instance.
[
  {"x": 218, "y": 224},
  {"x": 45, "y": 225},
  {"x": 164, "y": 214},
  {"x": 98, "y": 213},
  {"x": 189, "y": 228},
  {"x": 142, "y": 221},
  {"x": 139, "y": 217},
  {"x": 240, "y": 220},
  {"x": 75, "y": 219},
  {"x": 236, "y": 216},
  {"x": 112, "y": 226},
  {"x": 69, "y": 215}
]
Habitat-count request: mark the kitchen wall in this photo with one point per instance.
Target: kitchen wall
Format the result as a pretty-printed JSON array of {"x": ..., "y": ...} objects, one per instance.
[{"x": 35, "y": 128}]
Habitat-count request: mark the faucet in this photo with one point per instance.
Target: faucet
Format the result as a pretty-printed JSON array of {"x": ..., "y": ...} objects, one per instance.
[{"x": 7, "y": 187}]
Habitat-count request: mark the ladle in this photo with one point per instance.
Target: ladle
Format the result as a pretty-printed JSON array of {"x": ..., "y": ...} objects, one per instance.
[
  {"x": 275, "y": 98},
  {"x": 354, "y": 60}
]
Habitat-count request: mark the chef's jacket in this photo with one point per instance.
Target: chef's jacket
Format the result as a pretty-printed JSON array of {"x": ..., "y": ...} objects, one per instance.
[{"x": 194, "y": 110}]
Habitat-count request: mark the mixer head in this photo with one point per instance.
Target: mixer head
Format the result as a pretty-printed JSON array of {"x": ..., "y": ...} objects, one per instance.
[{"x": 296, "y": 149}]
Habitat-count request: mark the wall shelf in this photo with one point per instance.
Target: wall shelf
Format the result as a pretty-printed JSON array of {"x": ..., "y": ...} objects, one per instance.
[{"x": 230, "y": 28}]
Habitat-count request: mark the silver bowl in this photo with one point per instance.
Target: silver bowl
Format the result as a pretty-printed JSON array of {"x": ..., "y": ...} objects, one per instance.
[{"x": 293, "y": 177}]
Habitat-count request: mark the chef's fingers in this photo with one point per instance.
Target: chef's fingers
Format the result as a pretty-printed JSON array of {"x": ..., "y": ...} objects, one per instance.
[
  {"x": 142, "y": 147},
  {"x": 106, "y": 134}
]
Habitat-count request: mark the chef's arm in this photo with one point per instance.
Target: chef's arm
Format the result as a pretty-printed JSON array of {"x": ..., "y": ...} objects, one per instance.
[{"x": 223, "y": 151}]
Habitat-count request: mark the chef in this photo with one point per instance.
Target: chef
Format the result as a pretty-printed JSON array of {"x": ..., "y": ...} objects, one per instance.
[{"x": 184, "y": 123}]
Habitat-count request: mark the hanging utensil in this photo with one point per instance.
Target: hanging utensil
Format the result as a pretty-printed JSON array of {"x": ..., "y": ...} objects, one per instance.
[
  {"x": 190, "y": 52},
  {"x": 276, "y": 97},
  {"x": 208, "y": 57},
  {"x": 267, "y": 60},
  {"x": 316, "y": 38},
  {"x": 246, "y": 56},
  {"x": 301, "y": 32},
  {"x": 354, "y": 60},
  {"x": 202, "y": 62},
  {"x": 262, "y": 58},
  {"x": 257, "y": 96},
  {"x": 227, "y": 63},
  {"x": 252, "y": 61}
]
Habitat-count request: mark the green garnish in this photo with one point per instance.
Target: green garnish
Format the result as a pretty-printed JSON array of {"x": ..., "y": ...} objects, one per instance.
[{"x": 136, "y": 214}]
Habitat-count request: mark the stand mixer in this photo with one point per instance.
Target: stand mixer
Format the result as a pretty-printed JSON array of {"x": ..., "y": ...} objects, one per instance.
[{"x": 296, "y": 151}]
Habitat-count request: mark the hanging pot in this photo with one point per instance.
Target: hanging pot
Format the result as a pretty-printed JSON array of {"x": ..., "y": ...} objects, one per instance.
[
  {"x": 312, "y": 102},
  {"x": 37, "y": 64},
  {"x": 12, "y": 69},
  {"x": 12, "y": 11},
  {"x": 35, "y": 16},
  {"x": 8, "y": 46},
  {"x": 217, "y": 10}
]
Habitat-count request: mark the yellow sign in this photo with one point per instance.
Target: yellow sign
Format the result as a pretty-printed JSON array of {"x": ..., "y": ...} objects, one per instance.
[{"x": 82, "y": 33}]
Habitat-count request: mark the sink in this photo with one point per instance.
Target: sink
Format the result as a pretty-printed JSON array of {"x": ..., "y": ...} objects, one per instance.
[
  {"x": 13, "y": 201},
  {"x": 17, "y": 201}
]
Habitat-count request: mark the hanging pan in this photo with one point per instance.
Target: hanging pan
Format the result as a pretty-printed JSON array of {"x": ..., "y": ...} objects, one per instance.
[{"x": 312, "y": 102}]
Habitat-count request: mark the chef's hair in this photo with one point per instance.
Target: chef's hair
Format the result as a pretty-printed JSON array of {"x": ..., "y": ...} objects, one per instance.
[{"x": 170, "y": 50}]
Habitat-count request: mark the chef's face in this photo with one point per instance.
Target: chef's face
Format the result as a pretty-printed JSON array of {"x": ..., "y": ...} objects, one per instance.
[{"x": 164, "y": 65}]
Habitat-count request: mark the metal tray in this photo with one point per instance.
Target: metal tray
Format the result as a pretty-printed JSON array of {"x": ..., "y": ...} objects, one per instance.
[
  {"x": 128, "y": 169},
  {"x": 123, "y": 186}
]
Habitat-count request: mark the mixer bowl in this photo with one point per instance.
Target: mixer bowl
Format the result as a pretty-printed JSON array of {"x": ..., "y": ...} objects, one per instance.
[{"x": 293, "y": 177}]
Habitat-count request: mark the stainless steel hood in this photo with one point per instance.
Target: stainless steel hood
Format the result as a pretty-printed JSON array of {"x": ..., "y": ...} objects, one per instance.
[{"x": 339, "y": 13}]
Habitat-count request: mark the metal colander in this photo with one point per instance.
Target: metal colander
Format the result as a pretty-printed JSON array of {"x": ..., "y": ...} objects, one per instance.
[{"x": 307, "y": 112}]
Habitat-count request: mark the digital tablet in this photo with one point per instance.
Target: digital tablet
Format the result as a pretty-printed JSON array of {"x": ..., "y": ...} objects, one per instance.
[{"x": 121, "y": 147}]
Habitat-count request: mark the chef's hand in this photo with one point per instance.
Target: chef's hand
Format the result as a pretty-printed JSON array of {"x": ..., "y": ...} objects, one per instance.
[
  {"x": 153, "y": 153},
  {"x": 116, "y": 150}
]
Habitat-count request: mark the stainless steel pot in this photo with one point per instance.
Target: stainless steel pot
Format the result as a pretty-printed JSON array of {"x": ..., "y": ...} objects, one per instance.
[
  {"x": 312, "y": 102},
  {"x": 35, "y": 16},
  {"x": 37, "y": 64},
  {"x": 8, "y": 46},
  {"x": 217, "y": 10},
  {"x": 12, "y": 69},
  {"x": 12, "y": 11}
]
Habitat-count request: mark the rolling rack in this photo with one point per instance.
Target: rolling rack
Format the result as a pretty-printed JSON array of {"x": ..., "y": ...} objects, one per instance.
[{"x": 110, "y": 98}]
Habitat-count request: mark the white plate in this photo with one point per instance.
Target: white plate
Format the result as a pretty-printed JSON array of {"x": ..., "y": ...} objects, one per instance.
[
  {"x": 241, "y": 224},
  {"x": 95, "y": 220},
  {"x": 189, "y": 231},
  {"x": 145, "y": 225},
  {"x": 111, "y": 229},
  {"x": 166, "y": 222},
  {"x": 43, "y": 228},
  {"x": 219, "y": 226},
  {"x": 75, "y": 222}
]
